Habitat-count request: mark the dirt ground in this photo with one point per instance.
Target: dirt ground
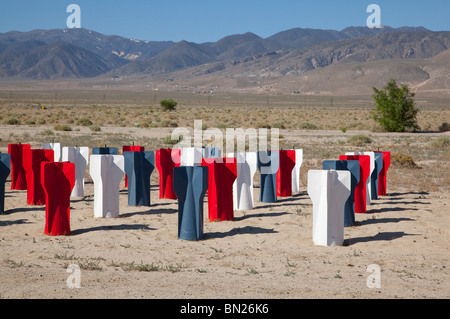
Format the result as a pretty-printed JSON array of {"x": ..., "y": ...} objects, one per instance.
[{"x": 264, "y": 253}]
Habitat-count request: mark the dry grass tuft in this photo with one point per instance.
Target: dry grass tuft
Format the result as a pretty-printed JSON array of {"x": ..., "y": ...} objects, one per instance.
[{"x": 403, "y": 161}]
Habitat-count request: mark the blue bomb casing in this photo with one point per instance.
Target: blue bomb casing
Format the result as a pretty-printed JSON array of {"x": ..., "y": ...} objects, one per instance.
[
  {"x": 376, "y": 173},
  {"x": 5, "y": 170},
  {"x": 139, "y": 167},
  {"x": 190, "y": 184},
  {"x": 268, "y": 164}
]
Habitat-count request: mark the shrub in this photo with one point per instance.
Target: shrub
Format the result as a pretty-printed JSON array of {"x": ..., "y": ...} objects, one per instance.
[
  {"x": 278, "y": 125},
  {"x": 144, "y": 124},
  {"x": 95, "y": 128},
  {"x": 308, "y": 126},
  {"x": 394, "y": 108},
  {"x": 47, "y": 132},
  {"x": 169, "y": 141},
  {"x": 168, "y": 123},
  {"x": 359, "y": 140},
  {"x": 403, "y": 161},
  {"x": 168, "y": 105},
  {"x": 444, "y": 127},
  {"x": 84, "y": 122},
  {"x": 11, "y": 121},
  {"x": 64, "y": 128},
  {"x": 264, "y": 125}
]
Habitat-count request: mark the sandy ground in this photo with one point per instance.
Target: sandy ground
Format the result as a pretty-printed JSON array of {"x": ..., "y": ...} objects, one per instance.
[{"x": 264, "y": 253}]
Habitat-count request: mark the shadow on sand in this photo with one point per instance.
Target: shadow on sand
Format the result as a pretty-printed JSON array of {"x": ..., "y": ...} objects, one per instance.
[
  {"x": 386, "y": 236},
  {"x": 251, "y": 230},
  {"x": 111, "y": 228}
]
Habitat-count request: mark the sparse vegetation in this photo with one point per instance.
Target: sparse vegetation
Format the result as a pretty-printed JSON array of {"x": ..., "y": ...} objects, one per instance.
[
  {"x": 440, "y": 142},
  {"x": 252, "y": 271},
  {"x": 89, "y": 265},
  {"x": 169, "y": 123},
  {"x": 139, "y": 267},
  {"x": 11, "y": 121},
  {"x": 64, "y": 128},
  {"x": 359, "y": 140},
  {"x": 169, "y": 141},
  {"x": 308, "y": 126},
  {"x": 95, "y": 128},
  {"x": 13, "y": 264},
  {"x": 84, "y": 122},
  {"x": 278, "y": 125},
  {"x": 47, "y": 133},
  {"x": 264, "y": 125}
]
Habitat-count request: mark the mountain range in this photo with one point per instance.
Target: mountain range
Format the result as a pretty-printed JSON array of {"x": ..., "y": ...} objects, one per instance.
[{"x": 293, "y": 56}]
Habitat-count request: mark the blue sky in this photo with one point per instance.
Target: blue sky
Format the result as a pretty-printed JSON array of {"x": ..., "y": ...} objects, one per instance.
[{"x": 203, "y": 21}]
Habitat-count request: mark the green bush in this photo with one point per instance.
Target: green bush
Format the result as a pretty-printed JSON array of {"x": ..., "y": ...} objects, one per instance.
[
  {"x": 395, "y": 108},
  {"x": 168, "y": 105}
]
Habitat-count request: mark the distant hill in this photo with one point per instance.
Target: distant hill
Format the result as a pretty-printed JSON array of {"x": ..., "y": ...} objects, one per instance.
[
  {"x": 179, "y": 56},
  {"x": 409, "y": 45},
  {"x": 429, "y": 76},
  {"x": 186, "y": 54},
  {"x": 301, "y": 59},
  {"x": 34, "y": 60},
  {"x": 249, "y": 47},
  {"x": 103, "y": 45}
]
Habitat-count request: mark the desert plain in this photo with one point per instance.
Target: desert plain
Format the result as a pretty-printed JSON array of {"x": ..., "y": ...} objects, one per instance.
[{"x": 265, "y": 253}]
